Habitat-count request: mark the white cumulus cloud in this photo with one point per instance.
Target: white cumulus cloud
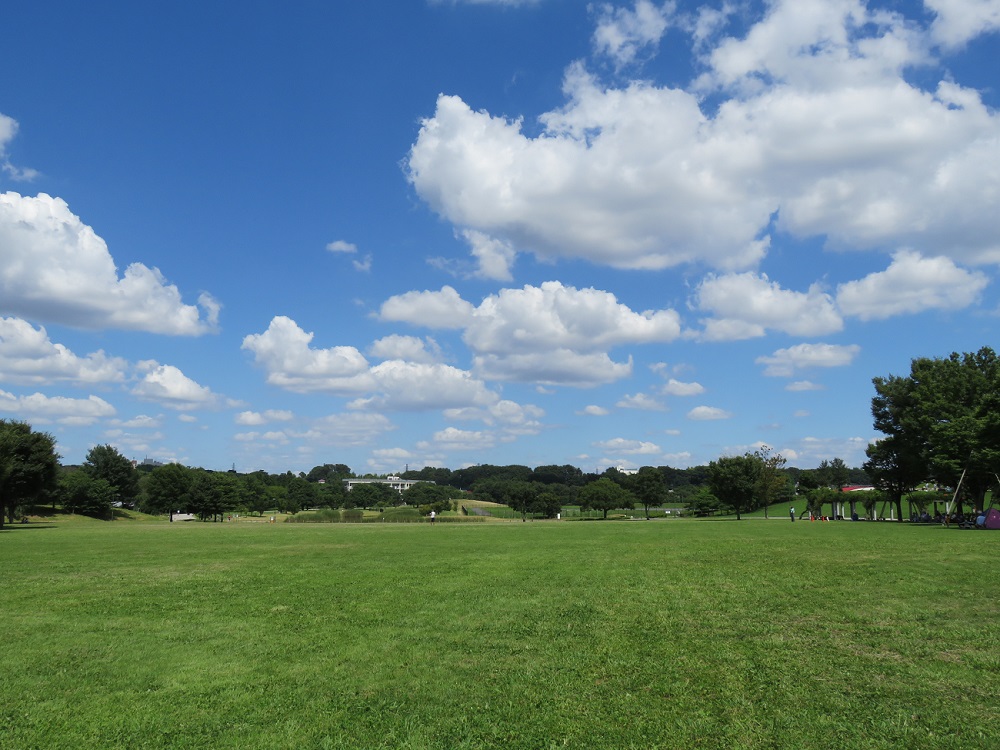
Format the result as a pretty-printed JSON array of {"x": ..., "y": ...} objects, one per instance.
[
  {"x": 284, "y": 352},
  {"x": 708, "y": 413},
  {"x": 42, "y": 409},
  {"x": 640, "y": 401},
  {"x": 442, "y": 309},
  {"x": 678, "y": 388},
  {"x": 408, "y": 348},
  {"x": 784, "y": 362},
  {"x": 54, "y": 268},
  {"x": 27, "y": 356},
  {"x": 911, "y": 284},
  {"x": 815, "y": 126},
  {"x": 624, "y": 447},
  {"x": 168, "y": 386},
  {"x": 623, "y": 33},
  {"x": 747, "y": 305}
]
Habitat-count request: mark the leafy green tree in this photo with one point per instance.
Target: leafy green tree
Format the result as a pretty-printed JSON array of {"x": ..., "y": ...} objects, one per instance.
[
  {"x": 807, "y": 480},
  {"x": 81, "y": 493},
  {"x": 945, "y": 415},
  {"x": 29, "y": 466},
  {"x": 839, "y": 474},
  {"x": 425, "y": 493},
  {"x": 277, "y": 496},
  {"x": 733, "y": 479},
  {"x": 566, "y": 474},
  {"x": 378, "y": 495},
  {"x": 702, "y": 502},
  {"x": 255, "y": 497},
  {"x": 648, "y": 487},
  {"x": 166, "y": 489},
  {"x": 547, "y": 504},
  {"x": 893, "y": 469},
  {"x": 431, "y": 474},
  {"x": 331, "y": 494},
  {"x": 302, "y": 494},
  {"x": 958, "y": 399},
  {"x": 105, "y": 462},
  {"x": 605, "y": 494},
  {"x": 212, "y": 495},
  {"x": 896, "y": 463},
  {"x": 521, "y": 496},
  {"x": 771, "y": 480},
  {"x": 329, "y": 473},
  {"x": 493, "y": 489}
]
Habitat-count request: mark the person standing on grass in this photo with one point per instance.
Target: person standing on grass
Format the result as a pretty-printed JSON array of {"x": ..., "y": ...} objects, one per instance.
[
  {"x": 432, "y": 516},
  {"x": 791, "y": 514}
]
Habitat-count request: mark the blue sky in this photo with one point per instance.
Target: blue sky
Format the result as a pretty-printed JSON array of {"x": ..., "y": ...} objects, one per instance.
[{"x": 443, "y": 233}]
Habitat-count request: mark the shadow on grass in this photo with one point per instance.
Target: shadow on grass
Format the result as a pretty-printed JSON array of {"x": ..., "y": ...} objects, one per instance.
[{"x": 26, "y": 526}]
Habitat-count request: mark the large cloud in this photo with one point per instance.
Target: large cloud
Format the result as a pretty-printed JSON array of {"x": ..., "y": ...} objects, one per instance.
[
  {"x": 417, "y": 386},
  {"x": 818, "y": 126},
  {"x": 54, "y": 268},
  {"x": 284, "y": 352},
  {"x": 909, "y": 285},
  {"x": 27, "y": 356},
  {"x": 538, "y": 319},
  {"x": 42, "y": 409},
  {"x": 551, "y": 334},
  {"x": 958, "y": 21},
  {"x": 747, "y": 305},
  {"x": 168, "y": 386}
]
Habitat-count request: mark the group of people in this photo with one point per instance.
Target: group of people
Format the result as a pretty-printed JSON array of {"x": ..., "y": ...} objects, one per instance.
[{"x": 974, "y": 520}]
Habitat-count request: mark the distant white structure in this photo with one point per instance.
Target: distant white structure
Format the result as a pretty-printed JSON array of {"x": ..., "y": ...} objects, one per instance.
[
  {"x": 147, "y": 462},
  {"x": 400, "y": 485}
]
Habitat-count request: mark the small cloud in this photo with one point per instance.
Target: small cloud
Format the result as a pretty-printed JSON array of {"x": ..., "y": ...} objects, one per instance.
[
  {"x": 621, "y": 446},
  {"x": 708, "y": 413},
  {"x": 364, "y": 265},
  {"x": 784, "y": 362},
  {"x": 804, "y": 385},
  {"x": 593, "y": 411},
  {"x": 250, "y": 418},
  {"x": 340, "y": 246},
  {"x": 677, "y": 388},
  {"x": 640, "y": 401}
]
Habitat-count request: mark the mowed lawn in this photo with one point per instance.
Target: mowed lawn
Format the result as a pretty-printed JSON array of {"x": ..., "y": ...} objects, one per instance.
[{"x": 669, "y": 634}]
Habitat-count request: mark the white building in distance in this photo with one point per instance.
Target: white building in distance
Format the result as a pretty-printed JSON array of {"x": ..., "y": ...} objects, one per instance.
[{"x": 400, "y": 485}]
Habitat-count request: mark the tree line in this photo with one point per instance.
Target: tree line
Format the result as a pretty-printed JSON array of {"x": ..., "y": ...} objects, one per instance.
[
  {"x": 30, "y": 475},
  {"x": 940, "y": 426}
]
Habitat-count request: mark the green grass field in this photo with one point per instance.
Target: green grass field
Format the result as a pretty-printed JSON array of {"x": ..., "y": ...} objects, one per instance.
[{"x": 664, "y": 634}]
